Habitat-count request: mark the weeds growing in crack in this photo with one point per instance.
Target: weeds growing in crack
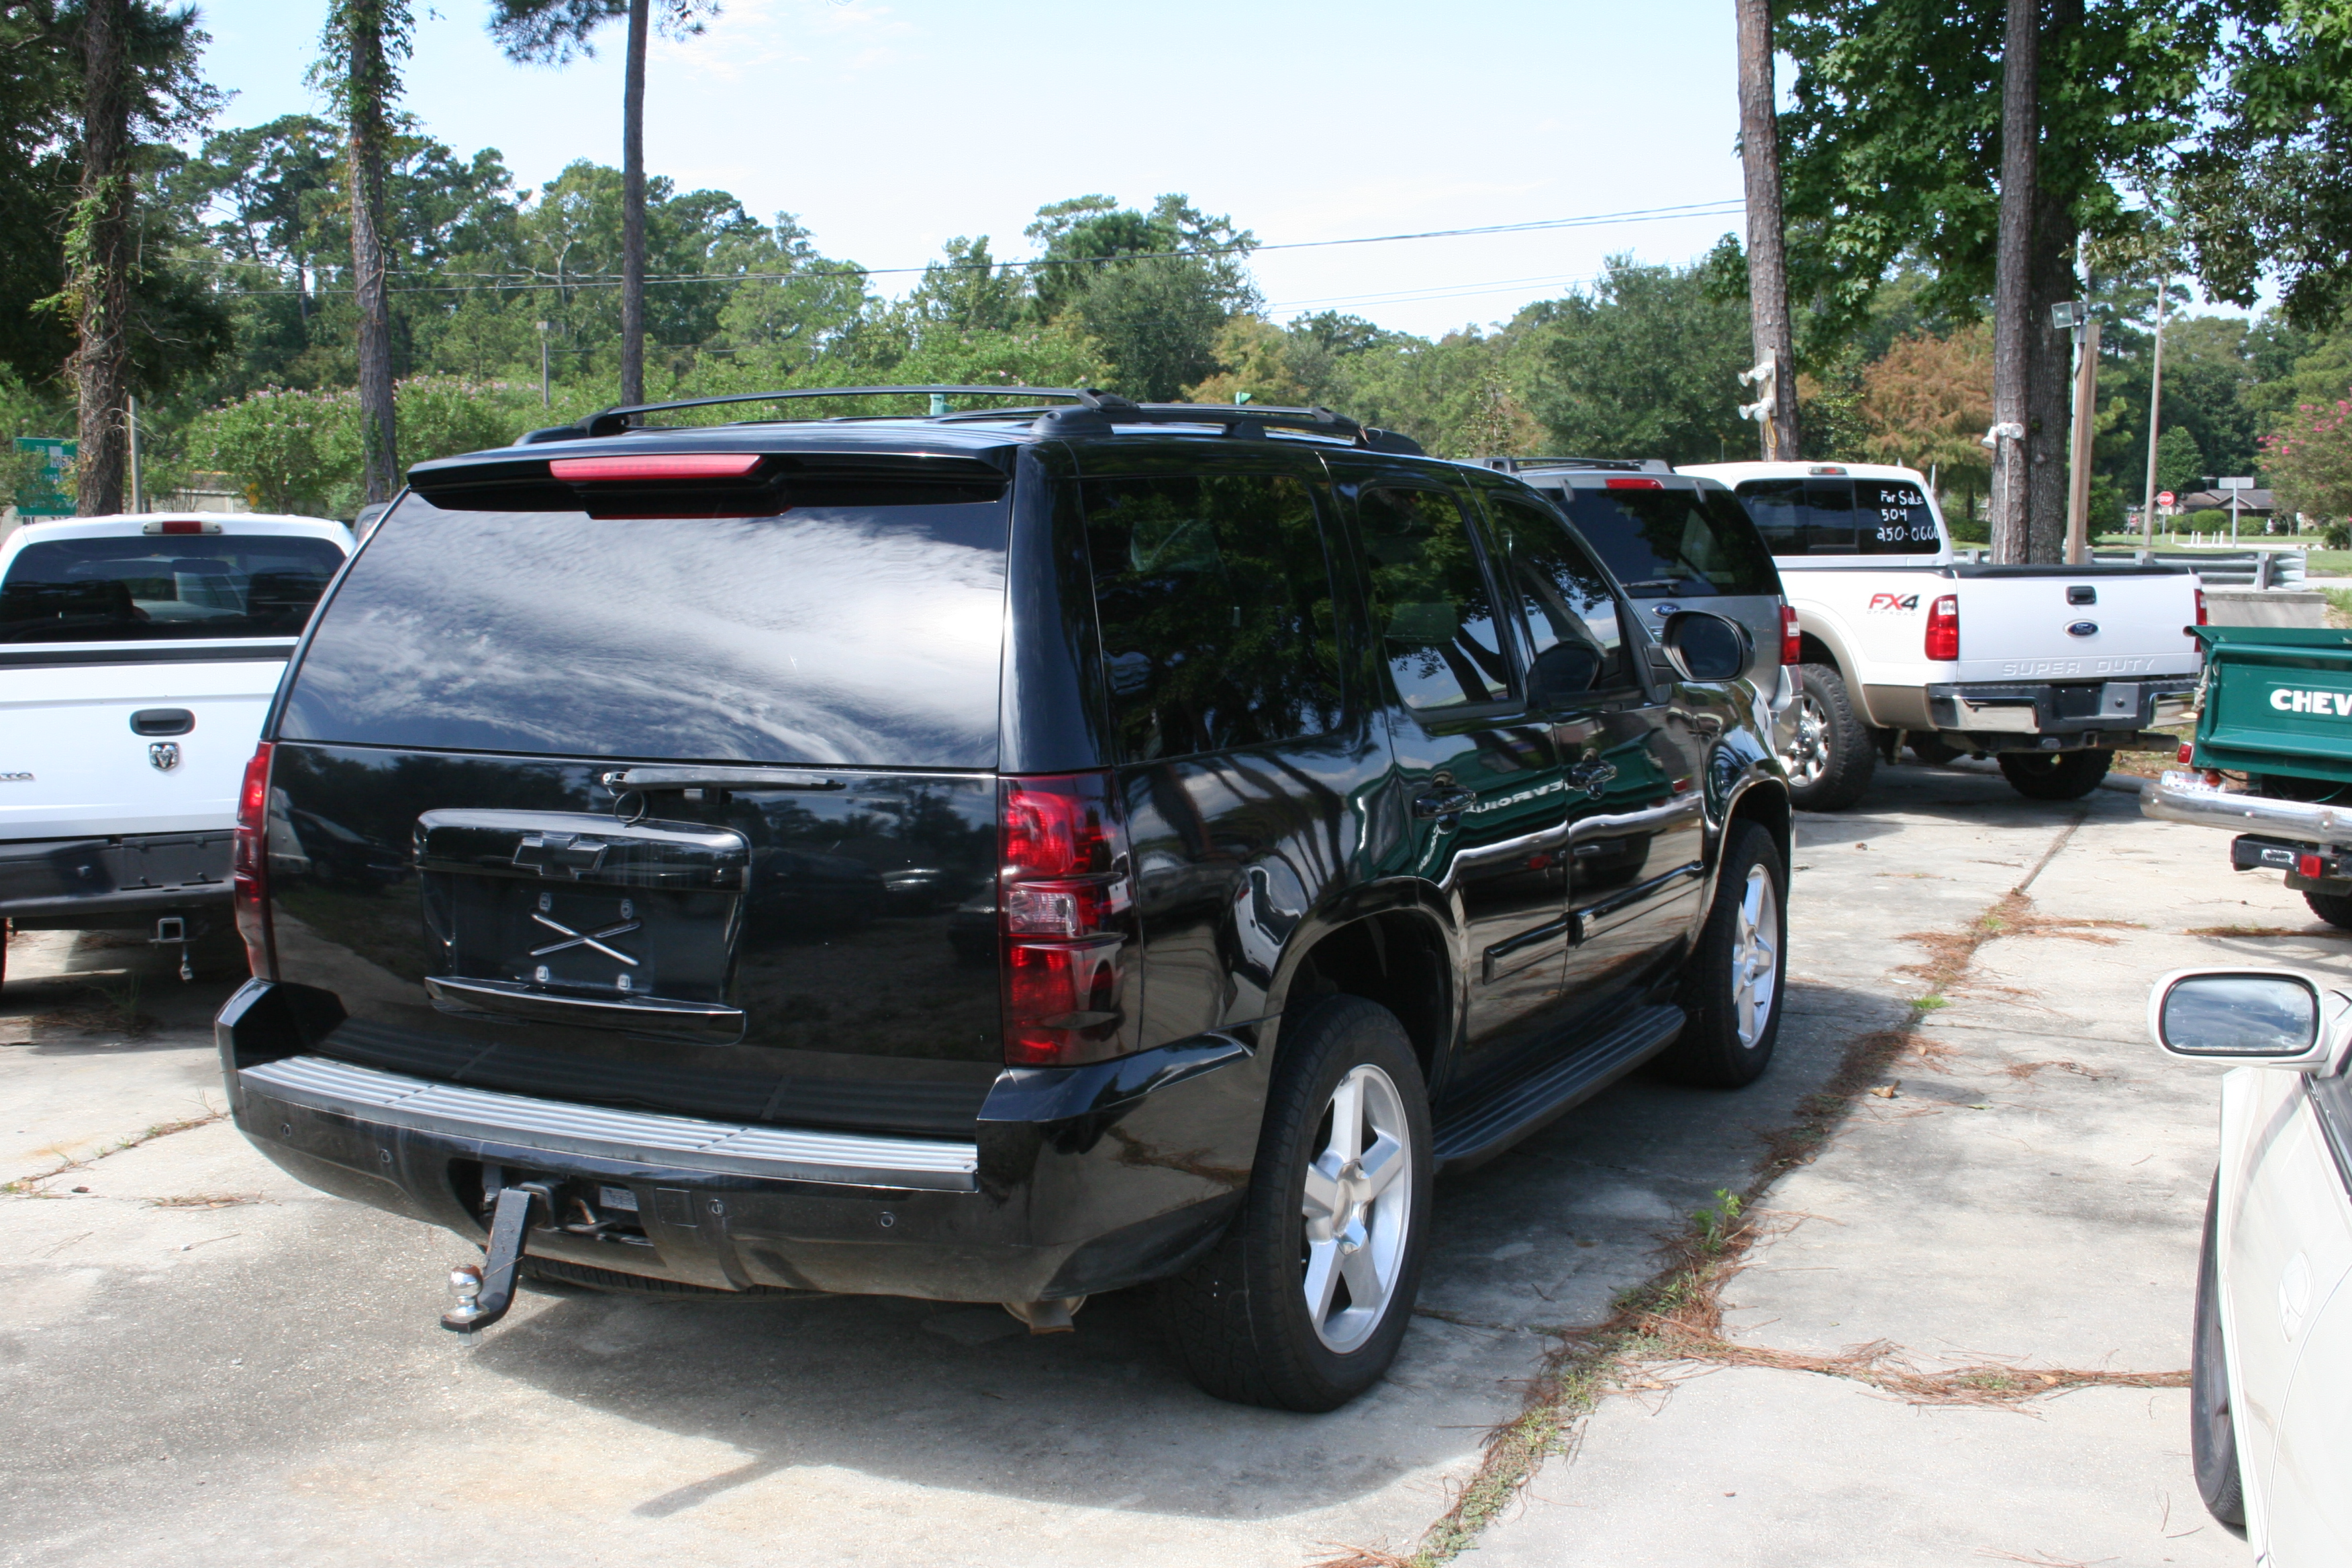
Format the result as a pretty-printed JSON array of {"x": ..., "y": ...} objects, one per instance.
[
  {"x": 2266, "y": 931},
  {"x": 1676, "y": 1319},
  {"x": 29, "y": 1187},
  {"x": 115, "y": 1010}
]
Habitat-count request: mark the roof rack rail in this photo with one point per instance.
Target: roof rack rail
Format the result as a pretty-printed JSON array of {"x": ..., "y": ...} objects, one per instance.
[
  {"x": 1092, "y": 413},
  {"x": 621, "y": 418},
  {"x": 1613, "y": 465},
  {"x": 1102, "y": 412}
]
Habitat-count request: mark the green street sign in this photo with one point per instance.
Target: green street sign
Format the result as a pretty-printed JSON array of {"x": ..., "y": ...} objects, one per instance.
[{"x": 43, "y": 491}]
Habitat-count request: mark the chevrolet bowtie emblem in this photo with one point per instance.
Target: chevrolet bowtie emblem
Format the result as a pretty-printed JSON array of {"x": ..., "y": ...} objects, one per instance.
[
  {"x": 164, "y": 755},
  {"x": 558, "y": 854}
]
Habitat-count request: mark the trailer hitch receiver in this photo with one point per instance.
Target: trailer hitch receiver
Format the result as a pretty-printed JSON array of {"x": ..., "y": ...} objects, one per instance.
[{"x": 483, "y": 1291}]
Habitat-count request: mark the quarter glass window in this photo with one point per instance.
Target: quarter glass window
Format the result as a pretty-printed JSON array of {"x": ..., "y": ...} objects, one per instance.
[
  {"x": 1429, "y": 601},
  {"x": 1575, "y": 640},
  {"x": 1216, "y": 605}
]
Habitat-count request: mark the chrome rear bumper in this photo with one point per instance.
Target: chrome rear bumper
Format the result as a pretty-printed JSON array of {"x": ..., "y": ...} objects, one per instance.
[
  {"x": 2186, "y": 798},
  {"x": 516, "y": 1125}
]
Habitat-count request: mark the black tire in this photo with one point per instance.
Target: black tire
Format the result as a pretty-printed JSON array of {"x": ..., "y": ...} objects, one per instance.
[
  {"x": 2212, "y": 1430},
  {"x": 2054, "y": 775},
  {"x": 1238, "y": 1319},
  {"x": 1832, "y": 759},
  {"x": 1932, "y": 753},
  {"x": 2335, "y": 908},
  {"x": 1711, "y": 1051}
]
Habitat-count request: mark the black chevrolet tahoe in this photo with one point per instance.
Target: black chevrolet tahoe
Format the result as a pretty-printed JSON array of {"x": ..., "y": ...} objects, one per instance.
[{"x": 1004, "y": 854}]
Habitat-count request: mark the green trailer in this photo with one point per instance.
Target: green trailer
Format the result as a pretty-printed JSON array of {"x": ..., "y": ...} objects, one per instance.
[{"x": 2271, "y": 760}]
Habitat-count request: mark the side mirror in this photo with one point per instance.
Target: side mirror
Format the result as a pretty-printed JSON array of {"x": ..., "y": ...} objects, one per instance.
[
  {"x": 2257, "y": 1017},
  {"x": 1704, "y": 646}
]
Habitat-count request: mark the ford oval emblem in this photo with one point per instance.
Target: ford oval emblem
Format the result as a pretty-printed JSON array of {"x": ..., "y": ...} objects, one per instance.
[
  {"x": 2084, "y": 629},
  {"x": 1666, "y": 609}
]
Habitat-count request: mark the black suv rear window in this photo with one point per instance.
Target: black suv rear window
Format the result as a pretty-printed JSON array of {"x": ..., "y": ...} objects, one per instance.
[
  {"x": 1837, "y": 516},
  {"x": 836, "y": 634},
  {"x": 143, "y": 588},
  {"x": 1682, "y": 543}
]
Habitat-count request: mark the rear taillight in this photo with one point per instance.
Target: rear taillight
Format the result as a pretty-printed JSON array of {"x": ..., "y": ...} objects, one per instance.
[
  {"x": 1944, "y": 628},
  {"x": 2201, "y": 609},
  {"x": 1065, "y": 918},
  {"x": 2187, "y": 754},
  {"x": 654, "y": 466},
  {"x": 1793, "y": 645},
  {"x": 1636, "y": 484},
  {"x": 249, "y": 870}
]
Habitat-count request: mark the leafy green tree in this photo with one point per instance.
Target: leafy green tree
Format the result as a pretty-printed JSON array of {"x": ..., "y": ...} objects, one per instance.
[
  {"x": 2309, "y": 459},
  {"x": 2179, "y": 461},
  {"x": 1642, "y": 365},
  {"x": 556, "y": 31},
  {"x": 1154, "y": 288},
  {"x": 2263, "y": 192},
  {"x": 1893, "y": 150}
]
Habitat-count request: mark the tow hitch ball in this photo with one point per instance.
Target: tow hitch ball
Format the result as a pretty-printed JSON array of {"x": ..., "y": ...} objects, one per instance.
[{"x": 481, "y": 1292}]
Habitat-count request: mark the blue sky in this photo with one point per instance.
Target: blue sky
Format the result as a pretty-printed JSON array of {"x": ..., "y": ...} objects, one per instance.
[{"x": 888, "y": 127}]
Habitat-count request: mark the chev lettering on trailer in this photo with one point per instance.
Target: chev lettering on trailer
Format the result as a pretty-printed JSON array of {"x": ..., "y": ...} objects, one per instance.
[
  {"x": 1893, "y": 604},
  {"x": 2048, "y": 667},
  {"x": 1521, "y": 798},
  {"x": 2287, "y": 700}
]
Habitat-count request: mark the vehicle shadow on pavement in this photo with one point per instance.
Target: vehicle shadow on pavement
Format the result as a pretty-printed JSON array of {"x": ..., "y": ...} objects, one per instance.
[{"x": 959, "y": 1396}]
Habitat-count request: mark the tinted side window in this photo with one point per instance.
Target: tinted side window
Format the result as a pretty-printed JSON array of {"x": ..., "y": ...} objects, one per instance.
[
  {"x": 1841, "y": 516},
  {"x": 1215, "y": 604},
  {"x": 1576, "y": 643},
  {"x": 1684, "y": 543},
  {"x": 1429, "y": 601},
  {"x": 143, "y": 589}
]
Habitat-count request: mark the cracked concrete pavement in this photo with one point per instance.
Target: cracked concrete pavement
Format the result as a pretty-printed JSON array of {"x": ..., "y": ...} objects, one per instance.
[{"x": 200, "y": 1355}]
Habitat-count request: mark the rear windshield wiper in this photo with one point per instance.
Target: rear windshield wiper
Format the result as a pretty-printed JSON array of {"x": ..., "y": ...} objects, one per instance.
[{"x": 711, "y": 778}]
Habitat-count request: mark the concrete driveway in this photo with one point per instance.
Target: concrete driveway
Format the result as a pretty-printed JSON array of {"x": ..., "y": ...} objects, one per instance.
[{"x": 198, "y": 1356}]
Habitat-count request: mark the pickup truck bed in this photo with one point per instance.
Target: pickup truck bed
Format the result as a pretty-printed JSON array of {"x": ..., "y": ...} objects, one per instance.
[{"x": 2049, "y": 668}]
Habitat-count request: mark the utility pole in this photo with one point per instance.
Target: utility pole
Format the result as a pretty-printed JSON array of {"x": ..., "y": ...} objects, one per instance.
[
  {"x": 1775, "y": 374},
  {"x": 2154, "y": 408},
  {"x": 545, "y": 399},
  {"x": 2086, "y": 403},
  {"x": 2012, "y": 283},
  {"x": 138, "y": 492}
]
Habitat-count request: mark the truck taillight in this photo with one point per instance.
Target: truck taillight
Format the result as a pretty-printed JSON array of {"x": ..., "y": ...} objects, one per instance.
[
  {"x": 249, "y": 867},
  {"x": 1792, "y": 646},
  {"x": 1944, "y": 628},
  {"x": 1065, "y": 918},
  {"x": 2201, "y": 609}
]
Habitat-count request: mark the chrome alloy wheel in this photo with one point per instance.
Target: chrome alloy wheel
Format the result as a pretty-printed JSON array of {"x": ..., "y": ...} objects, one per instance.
[
  {"x": 1359, "y": 1209},
  {"x": 1809, "y": 750},
  {"x": 1755, "y": 957}
]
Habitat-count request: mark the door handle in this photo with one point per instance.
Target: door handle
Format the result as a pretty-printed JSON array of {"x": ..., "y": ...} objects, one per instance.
[
  {"x": 1439, "y": 804},
  {"x": 1592, "y": 778}
]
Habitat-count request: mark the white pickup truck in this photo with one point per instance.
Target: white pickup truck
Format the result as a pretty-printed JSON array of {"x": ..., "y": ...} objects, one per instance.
[
  {"x": 138, "y": 655},
  {"x": 2049, "y": 670}
]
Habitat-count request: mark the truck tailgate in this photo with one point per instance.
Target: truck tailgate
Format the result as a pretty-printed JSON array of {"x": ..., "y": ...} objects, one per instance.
[
  {"x": 2071, "y": 623},
  {"x": 72, "y": 767}
]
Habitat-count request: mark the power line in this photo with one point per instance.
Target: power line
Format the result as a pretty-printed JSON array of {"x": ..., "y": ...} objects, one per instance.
[{"x": 504, "y": 282}]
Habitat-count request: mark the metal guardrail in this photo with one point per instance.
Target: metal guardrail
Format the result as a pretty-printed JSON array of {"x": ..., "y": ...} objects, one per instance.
[{"x": 2214, "y": 568}]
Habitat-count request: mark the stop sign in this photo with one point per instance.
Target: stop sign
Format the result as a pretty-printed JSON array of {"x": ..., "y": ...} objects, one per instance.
[{"x": 2164, "y": 498}]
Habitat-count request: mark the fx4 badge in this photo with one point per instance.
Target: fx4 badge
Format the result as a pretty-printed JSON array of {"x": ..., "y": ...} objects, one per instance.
[
  {"x": 1893, "y": 604},
  {"x": 163, "y": 755}
]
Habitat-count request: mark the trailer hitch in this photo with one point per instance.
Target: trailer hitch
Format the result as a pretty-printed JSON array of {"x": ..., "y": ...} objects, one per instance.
[{"x": 483, "y": 1291}]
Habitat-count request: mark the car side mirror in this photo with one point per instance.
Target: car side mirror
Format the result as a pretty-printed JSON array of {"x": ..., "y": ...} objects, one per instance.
[
  {"x": 1704, "y": 646},
  {"x": 2247, "y": 1017}
]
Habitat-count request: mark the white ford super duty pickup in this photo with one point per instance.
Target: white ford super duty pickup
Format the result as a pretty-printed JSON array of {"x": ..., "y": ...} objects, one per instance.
[
  {"x": 2050, "y": 669},
  {"x": 137, "y": 656}
]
